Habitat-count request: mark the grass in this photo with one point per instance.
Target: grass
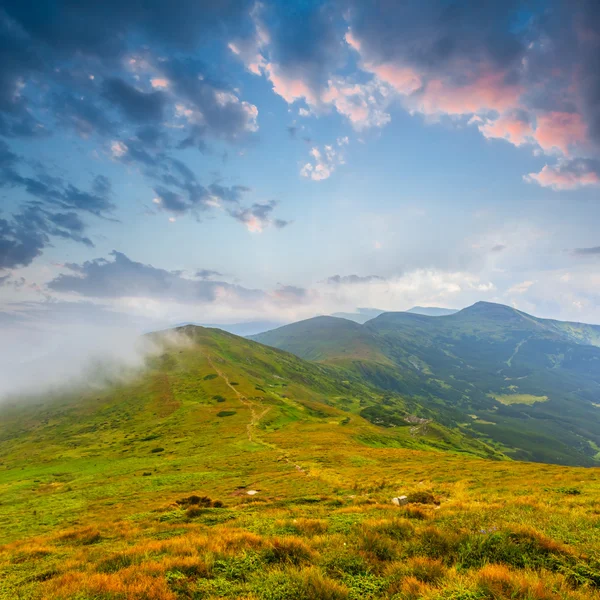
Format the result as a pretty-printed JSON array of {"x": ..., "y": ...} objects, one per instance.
[
  {"x": 509, "y": 399},
  {"x": 88, "y": 511}
]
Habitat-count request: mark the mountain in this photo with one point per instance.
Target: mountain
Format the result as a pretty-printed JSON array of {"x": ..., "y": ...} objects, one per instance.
[
  {"x": 245, "y": 328},
  {"x": 432, "y": 311},
  {"x": 361, "y": 315},
  {"x": 531, "y": 386},
  {"x": 228, "y": 469}
]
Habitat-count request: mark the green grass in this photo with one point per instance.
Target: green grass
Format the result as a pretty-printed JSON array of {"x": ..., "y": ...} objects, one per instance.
[
  {"x": 467, "y": 362},
  {"x": 89, "y": 511},
  {"x": 510, "y": 399}
]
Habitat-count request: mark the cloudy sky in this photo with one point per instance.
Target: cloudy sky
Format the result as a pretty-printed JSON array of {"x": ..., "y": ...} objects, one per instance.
[{"x": 234, "y": 160}]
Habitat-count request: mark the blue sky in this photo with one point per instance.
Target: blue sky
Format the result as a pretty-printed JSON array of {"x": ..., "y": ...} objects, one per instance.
[{"x": 271, "y": 160}]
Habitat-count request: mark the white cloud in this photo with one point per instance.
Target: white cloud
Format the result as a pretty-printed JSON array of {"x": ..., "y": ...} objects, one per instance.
[{"x": 324, "y": 162}]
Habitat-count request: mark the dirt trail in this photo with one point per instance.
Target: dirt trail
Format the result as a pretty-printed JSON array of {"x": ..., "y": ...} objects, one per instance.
[
  {"x": 255, "y": 417},
  {"x": 518, "y": 347}
]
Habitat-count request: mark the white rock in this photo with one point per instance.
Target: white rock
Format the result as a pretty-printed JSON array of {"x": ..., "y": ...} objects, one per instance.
[
  {"x": 400, "y": 500},
  {"x": 251, "y": 492}
]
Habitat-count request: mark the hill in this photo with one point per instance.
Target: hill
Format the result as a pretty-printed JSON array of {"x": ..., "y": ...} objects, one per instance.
[
  {"x": 226, "y": 469},
  {"x": 361, "y": 315},
  {"x": 528, "y": 385},
  {"x": 432, "y": 311}
]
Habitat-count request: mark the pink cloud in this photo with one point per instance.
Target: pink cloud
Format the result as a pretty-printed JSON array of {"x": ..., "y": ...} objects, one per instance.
[
  {"x": 289, "y": 88},
  {"x": 352, "y": 41},
  {"x": 363, "y": 104},
  {"x": 403, "y": 79},
  {"x": 564, "y": 178},
  {"x": 509, "y": 128},
  {"x": 489, "y": 92},
  {"x": 159, "y": 83},
  {"x": 560, "y": 130}
]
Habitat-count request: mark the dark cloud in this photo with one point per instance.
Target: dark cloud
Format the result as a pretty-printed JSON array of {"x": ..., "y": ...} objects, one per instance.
[
  {"x": 352, "y": 279},
  {"x": 208, "y": 274},
  {"x": 54, "y": 212},
  {"x": 65, "y": 25},
  {"x": 258, "y": 216},
  {"x": 136, "y": 106},
  {"x": 592, "y": 251},
  {"x": 436, "y": 35},
  {"x": 81, "y": 113},
  {"x": 14, "y": 282},
  {"x": 20, "y": 243},
  {"x": 123, "y": 277},
  {"x": 291, "y": 293}
]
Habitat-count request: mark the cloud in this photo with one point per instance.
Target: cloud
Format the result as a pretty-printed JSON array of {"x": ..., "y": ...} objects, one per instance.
[
  {"x": 134, "y": 84},
  {"x": 136, "y": 105},
  {"x": 122, "y": 277},
  {"x": 324, "y": 162},
  {"x": 567, "y": 175},
  {"x": 55, "y": 212},
  {"x": 498, "y": 248},
  {"x": 352, "y": 279},
  {"x": 592, "y": 251},
  {"x": 560, "y": 130},
  {"x": 520, "y": 288},
  {"x": 257, "y": 217},
  {"x": 514, "y": 127},
  {"x": 208, "y": 274},
  {"x": 528, "y": 79}
]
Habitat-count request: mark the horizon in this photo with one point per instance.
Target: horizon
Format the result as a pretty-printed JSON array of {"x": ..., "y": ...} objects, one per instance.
[{"x": 275, "y": 161}]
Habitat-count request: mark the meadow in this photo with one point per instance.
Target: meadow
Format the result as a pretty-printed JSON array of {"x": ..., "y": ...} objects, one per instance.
[{"x": 229, "y": 470}]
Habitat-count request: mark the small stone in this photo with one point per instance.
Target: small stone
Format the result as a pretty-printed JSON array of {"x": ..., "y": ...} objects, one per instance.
[
  {"x": 251, "y": 492},
  {"x": 400, "y": 500}
]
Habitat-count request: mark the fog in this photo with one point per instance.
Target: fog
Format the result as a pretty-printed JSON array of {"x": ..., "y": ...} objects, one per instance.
[{"x": 40, "y": 362}]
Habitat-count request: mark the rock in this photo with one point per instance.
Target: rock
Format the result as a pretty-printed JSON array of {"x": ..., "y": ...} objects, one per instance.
[
  {"x": 400, "y": 500},
  {"x": 251, "y": 492}
]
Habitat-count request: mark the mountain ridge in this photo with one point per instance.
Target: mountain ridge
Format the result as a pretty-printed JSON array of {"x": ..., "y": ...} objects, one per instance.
[{"x": 515, "y": 373}]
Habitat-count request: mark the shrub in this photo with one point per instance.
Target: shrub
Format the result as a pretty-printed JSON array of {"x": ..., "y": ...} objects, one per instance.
[
  {"x": 85, "y": 536},
  {"x": 427, "y": 570},
  {"x": 239, "y": 567},
  {"x": 421, "y": 498},
  {"x": 210, "y": 376},
  {"x": 288, "y": 550},
  {"x": 521, "y": 549},
  {"x": 157, "y": 450},
  {"x": 309, "y": 584},
  {"x": 194, "y": 511},
  {"x": 435, "y": 544},
  {"x": 219, "y": 398},
  {"x": 308, "y": 526},
  {"x": 381, "y": 547},
  {"x": 346, "y": 563},
  {"x": 226, "y": 413},
  {"x": 398, "y": 529},
  {"x": 414, "y": 512},
  {"x": 115, "y": 563}
]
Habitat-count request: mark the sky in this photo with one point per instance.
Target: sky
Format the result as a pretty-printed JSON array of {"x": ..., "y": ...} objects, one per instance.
[{"x": 219, "y": 162}]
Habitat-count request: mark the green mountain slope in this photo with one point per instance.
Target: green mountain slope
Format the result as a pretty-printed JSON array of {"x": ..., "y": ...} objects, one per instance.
[
  {"x": 530, "y": 385},
  {"x": 205, "y": 398}
]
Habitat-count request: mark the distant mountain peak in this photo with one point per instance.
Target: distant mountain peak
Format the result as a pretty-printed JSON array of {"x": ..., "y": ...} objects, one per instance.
[
  {"x": 432, "y": 311},
  {"x": 494, "y": 312}
]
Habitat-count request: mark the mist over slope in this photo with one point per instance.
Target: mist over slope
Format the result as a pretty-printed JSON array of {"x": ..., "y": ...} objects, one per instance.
[{"x": 531, "y": 385}]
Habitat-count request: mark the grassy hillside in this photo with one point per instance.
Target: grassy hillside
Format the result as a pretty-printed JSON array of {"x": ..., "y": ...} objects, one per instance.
[
  {"x": 231, "y": 470},
  {"x": 478, "y": 369}
]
